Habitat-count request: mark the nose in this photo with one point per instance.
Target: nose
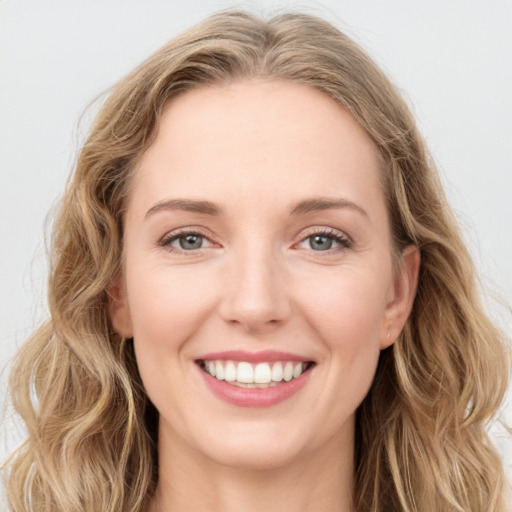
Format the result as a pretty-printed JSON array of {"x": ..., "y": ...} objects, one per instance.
[{"x": 255, "y": 297}]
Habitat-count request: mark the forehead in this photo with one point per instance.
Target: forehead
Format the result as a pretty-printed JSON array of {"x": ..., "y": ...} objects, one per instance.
[{"x": 281, "y": 139}]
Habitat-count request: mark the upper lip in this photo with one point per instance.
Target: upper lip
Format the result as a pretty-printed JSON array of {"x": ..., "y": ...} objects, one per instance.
[{"x": 253, "y": 357}]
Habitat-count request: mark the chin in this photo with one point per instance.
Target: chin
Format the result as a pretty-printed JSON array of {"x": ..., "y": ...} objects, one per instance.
[
  {"x": 260, "y": 446},
  {"x": 254, "y": 456}
]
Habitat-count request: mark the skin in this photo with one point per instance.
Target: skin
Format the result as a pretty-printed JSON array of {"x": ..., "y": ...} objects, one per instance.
[{"x": 255, "y": 149}]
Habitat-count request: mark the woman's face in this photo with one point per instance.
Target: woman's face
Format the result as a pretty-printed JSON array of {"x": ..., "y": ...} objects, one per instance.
[{"x": 258, "y": 282}]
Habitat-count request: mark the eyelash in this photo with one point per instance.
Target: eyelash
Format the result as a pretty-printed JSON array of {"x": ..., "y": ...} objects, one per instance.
[
  {"x": 342, "y": 240},
  {"x": 168, "y": 239}
]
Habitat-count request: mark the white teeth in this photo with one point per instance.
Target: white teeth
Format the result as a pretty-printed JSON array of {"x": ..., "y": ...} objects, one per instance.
[
  {"x": 287, "y": 372},
  {"x": 245, "y": 373},
  {"x": 210, "y": 367},
  {"x": 277, "y": 372},
  {"x": 260, "y": 386},
  {"x": 261, "y": 375},
  {"x": 219, "y": 370},
  {"x": 230, "y": 371}
]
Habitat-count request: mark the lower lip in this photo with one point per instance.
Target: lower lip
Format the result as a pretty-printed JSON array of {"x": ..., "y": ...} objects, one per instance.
[{"x": 254, "y": 397}]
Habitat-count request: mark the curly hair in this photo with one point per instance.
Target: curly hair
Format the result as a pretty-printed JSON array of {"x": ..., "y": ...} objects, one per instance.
[{"x": 421, "y": 441}]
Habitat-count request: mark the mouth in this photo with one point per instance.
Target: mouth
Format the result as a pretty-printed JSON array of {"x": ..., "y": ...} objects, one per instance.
[{"x": 261, "y": 375}]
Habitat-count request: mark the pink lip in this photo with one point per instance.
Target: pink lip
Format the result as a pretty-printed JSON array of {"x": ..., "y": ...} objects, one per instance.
[
  {"x": 253, "y": 357},
  {"x": 253, "y": 397}
]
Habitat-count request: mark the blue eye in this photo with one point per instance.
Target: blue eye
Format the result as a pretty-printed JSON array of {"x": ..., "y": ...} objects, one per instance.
[
  {"x": 185, "y": 242},
  {"x": 320, "y": 242},
  {"x": 325, "y": 241},
  {"x": 190, "y": 242}
]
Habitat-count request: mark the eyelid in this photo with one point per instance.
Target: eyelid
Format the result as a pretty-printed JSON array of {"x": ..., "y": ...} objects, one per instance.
[
  {"x": 344, "y": 241},
  {"x": 166, "y": 240}
]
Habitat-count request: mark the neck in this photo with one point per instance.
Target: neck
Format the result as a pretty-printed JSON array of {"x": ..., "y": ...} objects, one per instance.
[{"x": 316, "y": 481}]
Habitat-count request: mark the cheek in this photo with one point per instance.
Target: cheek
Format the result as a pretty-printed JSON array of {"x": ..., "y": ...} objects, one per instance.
[
  {"x": 166, "y": 304},
  {"x": 167, "y": 308},
  {"x": 348, "y": 310},
  {"x": 347, "y": 316}
]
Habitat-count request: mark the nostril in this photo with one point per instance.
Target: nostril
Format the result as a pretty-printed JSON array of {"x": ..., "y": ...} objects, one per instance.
[
  {"x": 255, "y": 297},
  {"x": 255, "y": 323}
]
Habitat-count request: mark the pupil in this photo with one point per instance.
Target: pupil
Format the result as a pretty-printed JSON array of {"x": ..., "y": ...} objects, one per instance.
[
  {"x": 321, "y": 243},
  {"x": 191, "y": 242}
]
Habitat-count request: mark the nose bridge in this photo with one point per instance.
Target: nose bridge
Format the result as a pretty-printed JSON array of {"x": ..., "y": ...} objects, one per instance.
[{"x": 255, "y": 295}]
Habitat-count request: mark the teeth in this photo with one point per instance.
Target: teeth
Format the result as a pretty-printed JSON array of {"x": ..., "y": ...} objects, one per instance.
[
  {"x": 297, "y": 370},
  {"x": 219, "y": 370},
  {"x": 245, "y": 373},
  {"x": 287, "y": 372},
  {"x": 230, "y": 371},
  {"x": 210, "y": 368},
  {"x": 260, "y": 386},
  {"x": 277, "y": 372},
  {"x": 261, "y": 375}
]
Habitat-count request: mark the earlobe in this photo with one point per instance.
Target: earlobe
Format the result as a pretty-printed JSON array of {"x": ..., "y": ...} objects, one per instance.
[
  {"x": 399, "y": 307},
  {"x": 118, "y": 309}
]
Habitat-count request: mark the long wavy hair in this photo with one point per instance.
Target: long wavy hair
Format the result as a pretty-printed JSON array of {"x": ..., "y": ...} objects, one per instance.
[{"x": 421, "y": 441}]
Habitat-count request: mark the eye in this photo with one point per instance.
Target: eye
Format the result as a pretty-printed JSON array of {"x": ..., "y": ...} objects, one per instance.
[
  {"x": 325, "y": 241},
  {"x": 189, "y": 242},
  {"x": 185, "y": 241}
]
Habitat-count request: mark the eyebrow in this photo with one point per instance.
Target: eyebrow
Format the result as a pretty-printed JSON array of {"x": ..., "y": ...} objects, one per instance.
[
  {"x": 300, "y": 208},
  {"x": 324, "y": 203},
  {"x": 187, "y": 205}
]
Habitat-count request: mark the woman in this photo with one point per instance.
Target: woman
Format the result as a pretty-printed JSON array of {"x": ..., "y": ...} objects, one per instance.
[{"x": 259, "y": 297}]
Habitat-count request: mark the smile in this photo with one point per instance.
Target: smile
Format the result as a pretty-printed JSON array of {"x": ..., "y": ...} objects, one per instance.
[
  {"x": 250, "y": 375},
  {"x": 254, "y": 379}
]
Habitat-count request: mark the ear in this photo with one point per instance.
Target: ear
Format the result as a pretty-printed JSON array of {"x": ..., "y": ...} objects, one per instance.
[
  {"x": 118, "y": 309},
  {"x": 402, "y": 296}
]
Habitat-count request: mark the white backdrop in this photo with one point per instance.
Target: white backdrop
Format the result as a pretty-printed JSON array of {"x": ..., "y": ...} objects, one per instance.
[{"x": 453, "y": 60}]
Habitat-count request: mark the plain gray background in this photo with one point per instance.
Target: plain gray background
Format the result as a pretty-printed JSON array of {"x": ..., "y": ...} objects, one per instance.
[{"x": 452, "y": 59}]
